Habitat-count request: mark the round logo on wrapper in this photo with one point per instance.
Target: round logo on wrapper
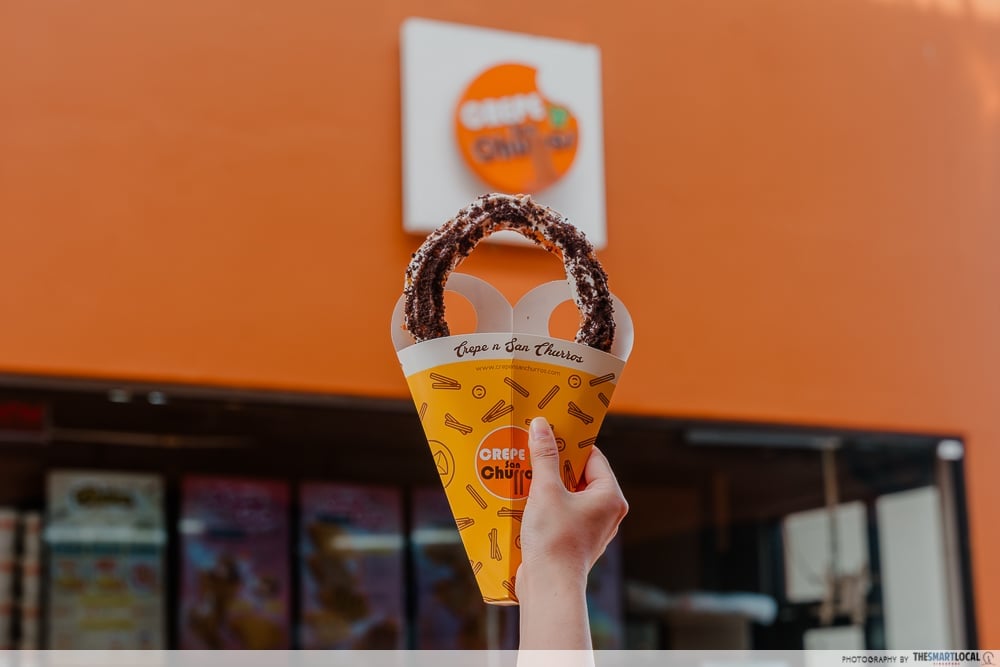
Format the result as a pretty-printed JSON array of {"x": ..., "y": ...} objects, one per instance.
[{"x": 503, "y": 464}]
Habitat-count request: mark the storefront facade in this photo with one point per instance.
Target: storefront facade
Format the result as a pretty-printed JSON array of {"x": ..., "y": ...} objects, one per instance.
[{"x": 801, "y": 207}]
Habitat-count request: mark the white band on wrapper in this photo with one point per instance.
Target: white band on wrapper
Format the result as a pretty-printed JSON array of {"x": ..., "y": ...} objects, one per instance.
[
  {"x": 493, "y": 311},
  {"x": 534, "y": 311},
  {"x": 531, "y": 315}
]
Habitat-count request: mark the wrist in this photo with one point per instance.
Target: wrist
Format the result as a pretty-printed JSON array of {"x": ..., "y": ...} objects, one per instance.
[
  {"x": 553, "y": 604},
  {"x": 542, "y": 579},
  {"x": 562, "y": 562}
]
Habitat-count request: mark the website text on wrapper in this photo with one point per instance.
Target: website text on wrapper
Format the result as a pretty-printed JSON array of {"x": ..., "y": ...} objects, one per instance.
[{"x": 510, "y": 365}]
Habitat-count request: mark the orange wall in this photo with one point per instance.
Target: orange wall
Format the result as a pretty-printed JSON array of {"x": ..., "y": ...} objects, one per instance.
[{"x": 803, "y": 203}]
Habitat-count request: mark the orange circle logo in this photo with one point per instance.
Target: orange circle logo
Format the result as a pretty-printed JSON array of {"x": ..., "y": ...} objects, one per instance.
[
  {"x": 511, "y": 135},
  {"x": 503, "y": 464}
]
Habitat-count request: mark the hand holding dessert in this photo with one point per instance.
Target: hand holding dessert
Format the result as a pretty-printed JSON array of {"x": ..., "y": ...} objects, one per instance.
[{"x": 563, "y": 534}]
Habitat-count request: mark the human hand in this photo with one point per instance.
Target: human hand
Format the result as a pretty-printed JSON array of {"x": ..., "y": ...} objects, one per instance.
[{"x": 563, "y": 534}]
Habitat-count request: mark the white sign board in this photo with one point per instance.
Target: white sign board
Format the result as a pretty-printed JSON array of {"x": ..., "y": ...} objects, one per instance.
[{"x": 486, "y": 110}]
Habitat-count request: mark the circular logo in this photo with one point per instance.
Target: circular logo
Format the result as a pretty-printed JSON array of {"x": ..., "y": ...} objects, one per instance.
[
  {"x": 574, "y": 381},
  {"x": 510, "y": 134},
  {"x": 503, "y": 464},
  {"x": 444, "y": 462}
]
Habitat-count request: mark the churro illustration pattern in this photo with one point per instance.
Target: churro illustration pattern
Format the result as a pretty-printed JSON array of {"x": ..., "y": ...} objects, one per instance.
[
  {"x": 495, "y": 552},
  {"x": 498, "y": 397},
  {"x": 569, "y": 477},
  {"x": 498, "y": 410},
  {"x": 548, "y": 397},
  {"x": 475, "y": 496},
  {"x": 444, "y": 382},
  {"x": 508, "y": 585},
  {"x": 575, "y": 411},
  {"x": 451, "y": 422},
  {"x": 601, "y": 380},
  {"x": 516, "y": 387}
]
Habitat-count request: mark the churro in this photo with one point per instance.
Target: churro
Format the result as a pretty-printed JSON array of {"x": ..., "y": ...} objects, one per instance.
[{"x": 450, "y": 244}]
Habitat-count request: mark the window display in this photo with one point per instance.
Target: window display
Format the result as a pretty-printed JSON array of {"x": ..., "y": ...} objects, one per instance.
[
  {"x": 235, "y": 585},
  {"x": 106, "y": 538}
]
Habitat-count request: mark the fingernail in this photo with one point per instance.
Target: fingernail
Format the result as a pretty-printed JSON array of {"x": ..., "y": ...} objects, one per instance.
[{"x": 540, "y": 427}]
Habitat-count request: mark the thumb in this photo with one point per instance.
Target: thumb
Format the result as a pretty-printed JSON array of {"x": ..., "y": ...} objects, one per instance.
[{"x": 544, "y": 454}]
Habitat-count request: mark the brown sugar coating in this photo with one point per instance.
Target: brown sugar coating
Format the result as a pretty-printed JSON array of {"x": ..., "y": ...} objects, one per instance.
[{"x": 455, "y": 240}]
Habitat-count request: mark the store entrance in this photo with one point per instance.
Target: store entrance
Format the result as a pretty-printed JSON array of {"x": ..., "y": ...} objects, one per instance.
[
  {"x": 183, "y": 517},
  {"x": 771, "y": 537}
]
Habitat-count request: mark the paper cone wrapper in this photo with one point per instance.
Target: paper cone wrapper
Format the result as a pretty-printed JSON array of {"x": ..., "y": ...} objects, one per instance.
[{"x": 476, "y": 394}]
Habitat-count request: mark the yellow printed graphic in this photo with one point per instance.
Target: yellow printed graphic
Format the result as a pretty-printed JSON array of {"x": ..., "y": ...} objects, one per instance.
[{"x": 475, "y": 415}]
